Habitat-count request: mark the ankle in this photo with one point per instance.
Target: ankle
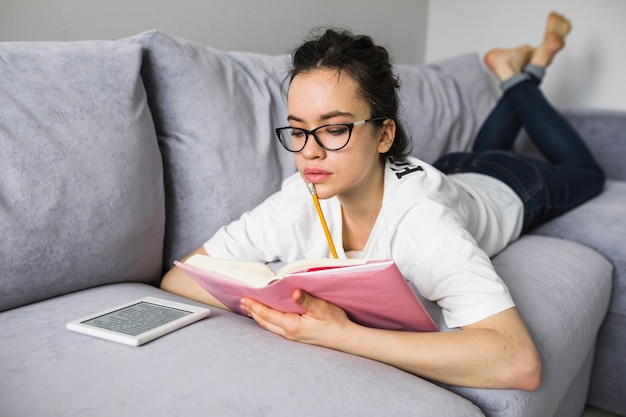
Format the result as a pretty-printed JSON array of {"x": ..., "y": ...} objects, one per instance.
[
  {"x": 535, "y": 71},
  {"x": 514, "y": 80}
]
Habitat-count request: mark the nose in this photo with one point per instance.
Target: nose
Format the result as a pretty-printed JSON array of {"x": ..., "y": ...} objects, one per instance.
[{"x": 312, "y": 149}]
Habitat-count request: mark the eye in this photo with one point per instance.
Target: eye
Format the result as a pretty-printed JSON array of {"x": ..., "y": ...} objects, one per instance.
[
  {"x": 336, "y": 130},
  {"x": 297, "y": 133}
]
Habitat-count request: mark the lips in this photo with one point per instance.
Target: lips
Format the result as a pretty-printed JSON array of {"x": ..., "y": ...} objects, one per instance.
[{"x": 315, "y": 175}]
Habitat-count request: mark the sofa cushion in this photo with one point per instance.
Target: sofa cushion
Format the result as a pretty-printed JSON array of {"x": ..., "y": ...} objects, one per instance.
[
  {"x": 562, "y": 291},
  {"x": 231, "y": 356},
  {"x": 215, "y": 114},
  {"x": 444, "y": 103},
  {"x": 599, "y": 223},
  {"x": 81, "y": 195},
  {"x": 225, "y": 365}
]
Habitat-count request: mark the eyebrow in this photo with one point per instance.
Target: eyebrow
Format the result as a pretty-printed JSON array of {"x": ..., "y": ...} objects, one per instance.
[{"x": 324, "y": 117}]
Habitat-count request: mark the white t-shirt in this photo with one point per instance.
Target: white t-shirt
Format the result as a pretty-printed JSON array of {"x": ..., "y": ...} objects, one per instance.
[{"x": 440, "y": 230}]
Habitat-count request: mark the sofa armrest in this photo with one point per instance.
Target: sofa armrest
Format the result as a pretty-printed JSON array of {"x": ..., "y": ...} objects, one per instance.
[
  {"x": 605, "y": 134},
  {"x": 604, "y": 131}
]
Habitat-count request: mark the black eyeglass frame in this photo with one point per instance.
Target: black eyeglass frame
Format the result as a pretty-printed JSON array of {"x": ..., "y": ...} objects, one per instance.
[{"x": 308, "y": 133}]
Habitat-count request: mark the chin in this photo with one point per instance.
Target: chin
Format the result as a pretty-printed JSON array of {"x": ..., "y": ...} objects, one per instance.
[{"x": 322, "y": 190}]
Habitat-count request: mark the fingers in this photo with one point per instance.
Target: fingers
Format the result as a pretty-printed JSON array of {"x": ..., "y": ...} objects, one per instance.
[
  {"x": 306, "y": 300},
  {"x": 266, "y": 317},
  {"x": 321, "y": 324},
  {"x": 291, "y": 326}
]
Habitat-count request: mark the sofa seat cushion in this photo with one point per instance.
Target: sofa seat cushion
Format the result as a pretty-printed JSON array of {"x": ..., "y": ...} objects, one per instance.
[
  {"x": 225, "y": 365},
  {"x": 81, "y": 190},
  {"x": 229, "y": 365}
]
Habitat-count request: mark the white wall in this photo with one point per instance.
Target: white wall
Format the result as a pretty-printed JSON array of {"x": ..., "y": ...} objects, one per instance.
[
  {"x": 269, "y": 26},
  {"x": 589, "y": 72}
]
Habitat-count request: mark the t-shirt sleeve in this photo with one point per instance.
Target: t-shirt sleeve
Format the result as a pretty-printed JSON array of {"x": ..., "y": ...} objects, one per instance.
[{"x": 449, "y": 268}]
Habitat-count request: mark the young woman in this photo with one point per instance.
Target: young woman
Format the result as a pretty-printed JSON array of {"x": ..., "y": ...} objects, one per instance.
[{"x": 440, "y": 229}]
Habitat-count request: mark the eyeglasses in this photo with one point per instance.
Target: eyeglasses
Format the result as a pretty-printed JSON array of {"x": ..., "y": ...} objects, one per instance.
[{"x": 331, "y": 137}]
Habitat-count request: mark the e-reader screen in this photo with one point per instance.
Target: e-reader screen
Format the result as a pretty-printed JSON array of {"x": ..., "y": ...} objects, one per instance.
[
  {"x": 140, "y": 321},
  {"x": 137, "y": 318}
]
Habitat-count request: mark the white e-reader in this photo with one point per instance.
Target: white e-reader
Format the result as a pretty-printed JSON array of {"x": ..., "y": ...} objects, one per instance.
[{"x": 140, "y": 321}]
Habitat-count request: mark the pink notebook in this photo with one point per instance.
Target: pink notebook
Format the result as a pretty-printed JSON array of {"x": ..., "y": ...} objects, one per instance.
[{"x": 374, "y": 294}]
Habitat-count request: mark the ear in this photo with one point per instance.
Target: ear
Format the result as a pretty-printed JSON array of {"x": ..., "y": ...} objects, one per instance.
[{"x": 387, "y": 136}]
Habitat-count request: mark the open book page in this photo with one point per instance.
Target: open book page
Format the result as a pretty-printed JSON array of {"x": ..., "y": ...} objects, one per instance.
[
  {"x": 257, "y": 274},
  {"x": 306, "y": 264}
]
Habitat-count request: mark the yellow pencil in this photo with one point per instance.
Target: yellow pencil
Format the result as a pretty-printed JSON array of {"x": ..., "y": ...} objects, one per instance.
[{"x": 323, "y": 221}]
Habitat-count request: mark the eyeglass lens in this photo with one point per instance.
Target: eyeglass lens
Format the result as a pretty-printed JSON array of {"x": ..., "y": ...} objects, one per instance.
[{"x": 331, "y": 137}]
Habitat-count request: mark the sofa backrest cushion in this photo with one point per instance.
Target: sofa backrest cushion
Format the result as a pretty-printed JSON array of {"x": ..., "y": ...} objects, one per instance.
[
  {"x": 215, "y": 114},
  {"x": 444, "y": 103},
  {"x": 81, "y": 190}
]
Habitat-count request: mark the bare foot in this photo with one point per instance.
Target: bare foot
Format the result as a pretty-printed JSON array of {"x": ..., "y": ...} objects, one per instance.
[
  {"x": 507, "y": 62},
  {"x": 557, "y": 29}
]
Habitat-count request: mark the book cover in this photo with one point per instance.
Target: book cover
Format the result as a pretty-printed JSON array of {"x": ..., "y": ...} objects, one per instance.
[{"x": 374, "y": 294}]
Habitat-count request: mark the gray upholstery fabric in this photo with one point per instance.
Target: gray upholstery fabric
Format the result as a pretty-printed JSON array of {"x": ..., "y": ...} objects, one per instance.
[
  {"x": 81, "y": 192},
  {"x": 599, "y": 224},
  {"x": 228, "y": 365},
  {"x": 589, "y": 223},
  {"x": 214, "y": 113},
  {"x": 444, "y": 103},
  {"x": 563, "y": 311},
  {"x": 225, "y": 365}
]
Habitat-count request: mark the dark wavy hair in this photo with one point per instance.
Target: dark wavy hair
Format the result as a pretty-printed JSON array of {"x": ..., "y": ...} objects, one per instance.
[{"x": 367, "y": 63}]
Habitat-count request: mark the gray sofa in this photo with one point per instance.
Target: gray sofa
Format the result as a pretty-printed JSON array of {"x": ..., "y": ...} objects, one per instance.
[{"x": 119, "y": 157}]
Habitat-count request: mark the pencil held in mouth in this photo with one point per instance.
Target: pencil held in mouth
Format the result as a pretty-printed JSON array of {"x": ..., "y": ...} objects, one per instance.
[{"x": 322, "y": 220}]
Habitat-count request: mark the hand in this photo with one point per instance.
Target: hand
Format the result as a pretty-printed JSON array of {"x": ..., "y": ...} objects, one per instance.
[{"x": 323, "y": 323}]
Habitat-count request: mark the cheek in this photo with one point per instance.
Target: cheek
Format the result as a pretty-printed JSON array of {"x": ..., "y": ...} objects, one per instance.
[
  {"x": 359, "y": 163},
  {"x": 300, "y": 160},
  {"x": 369, "y": 148}
]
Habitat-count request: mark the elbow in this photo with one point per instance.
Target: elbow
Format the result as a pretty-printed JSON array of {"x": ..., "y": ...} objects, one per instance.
[
  {"x": 166, "y": 282},
  {"x": 169, "y": 282},
  {"x": 531, "y": 380},
  {"x": 520, "y": 369},
  {"x": 526, "y": 374}
]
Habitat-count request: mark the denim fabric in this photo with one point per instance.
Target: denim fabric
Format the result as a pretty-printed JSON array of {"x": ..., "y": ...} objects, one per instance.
[{"x": 547, "y": 189}]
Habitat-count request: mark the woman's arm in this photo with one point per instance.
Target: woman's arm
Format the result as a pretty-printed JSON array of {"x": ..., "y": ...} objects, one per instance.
[
  {"x": 496, "y": 352},
  {"x": 178, "y": 282}
]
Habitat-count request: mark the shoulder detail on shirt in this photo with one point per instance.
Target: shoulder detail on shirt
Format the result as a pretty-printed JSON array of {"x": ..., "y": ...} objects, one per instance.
[
  {"x": 405, "y": 166},
  {"x": 411, "y": 181}
]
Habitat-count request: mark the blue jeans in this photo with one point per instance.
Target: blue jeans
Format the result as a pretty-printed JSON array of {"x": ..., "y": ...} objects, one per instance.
[{"x": 548, "y": 189}]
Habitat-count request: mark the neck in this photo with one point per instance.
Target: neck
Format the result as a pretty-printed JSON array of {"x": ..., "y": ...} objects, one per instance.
[
  {"x": 365, "y": 199},
  {"x": 359, "y": 213}
]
